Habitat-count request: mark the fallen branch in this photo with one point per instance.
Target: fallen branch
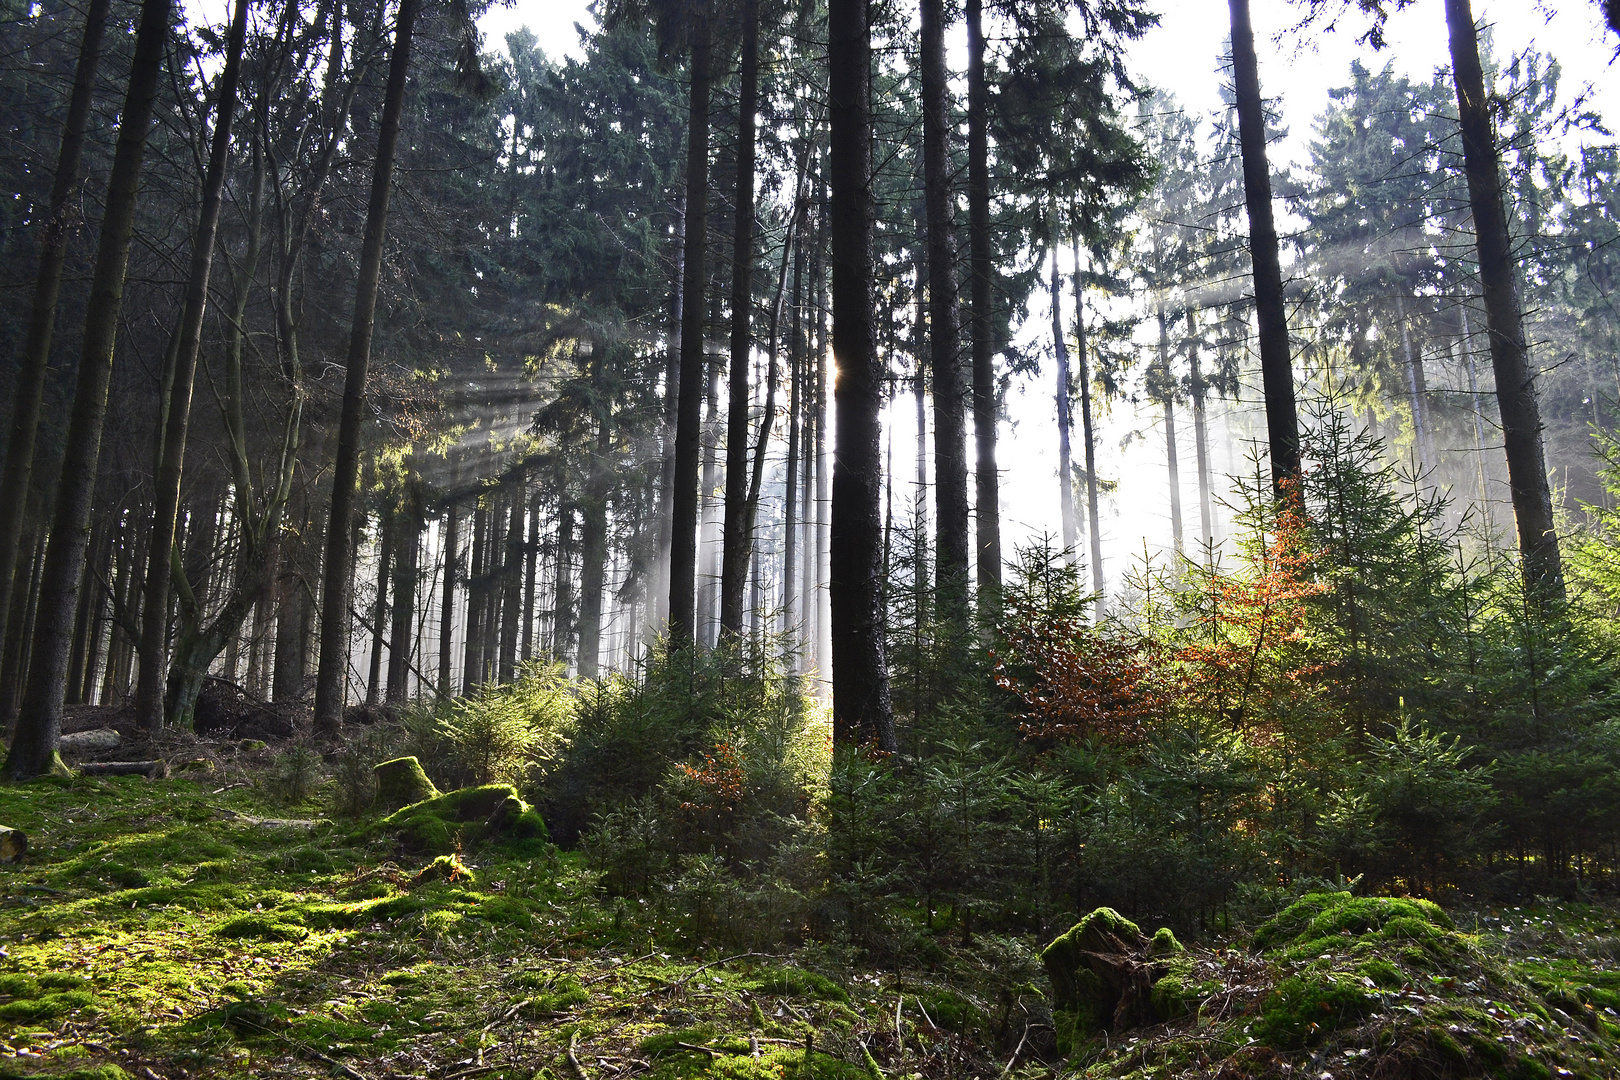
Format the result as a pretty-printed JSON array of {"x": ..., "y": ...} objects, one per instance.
[
  {"x": 573, "y": 1062},
  {"x": 1014, "y": 1059}
]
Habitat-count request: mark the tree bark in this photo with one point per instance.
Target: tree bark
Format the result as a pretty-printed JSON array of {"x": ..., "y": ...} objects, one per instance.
[
  {"x": 33, "y": 747},
  {"x": 447, "y": 603},
  {"x": 683, "y": 508},
  {"x": 330, "y": 677},
  {"x": 477, "y": 575},
  {"x": 512, "y": 581},
  {"x": 29, "y": 391},
  {"x": 177, "y": 409},
  {"x": 790, "y": 499},
  {"x": 407, "y": 541},
  {"x": 1510, "y": 356},
  {"x": 1171, "y": 460},
  {"x": 986, "y": 481},
  {"x": 950, "y": 447},
  {"x": 862, "y": 710},
  {"x": 659, "y": 591},
  {"x": 1083, "y": 364},
  {"x": 1071, "y": 530},
  {"x": 593, "y": 553},
  {"x": 1206, "y": 506},
  {"x": 1276, "y": 366},
  {"x": 736, "y": 542},
  {"x": 387, "y": 527}
]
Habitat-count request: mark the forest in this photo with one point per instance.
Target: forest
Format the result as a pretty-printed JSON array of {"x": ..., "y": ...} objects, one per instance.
[{"x": 804, "y": 540}]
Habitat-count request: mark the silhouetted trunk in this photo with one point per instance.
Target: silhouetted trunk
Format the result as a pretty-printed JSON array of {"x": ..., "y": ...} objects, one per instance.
[
  {"x": 986, "y": 483},
  {"x": 562, "y": 619},
  {"x": 1206, "y": 506},
  {"x": 736, "y": 542},
  {"x": 1510, "y": 355},
  {"x": 1071, "y": 530},
  {"x": 689, "y": 416},
  {"x": 1083, "y": 366},
  {"x": 477, "y": 570},
  {"x": 950, "y": 446},
  {"x": 1171, "y": 461},
  {"x": 407, "y": 542},
  {"x": 862, "y": 711},
  {"x": 708, "y": 604},
  {"x": 1276, "y": 366},
  {"x": 512, "y": 583},
  {"x": 790, "y": 497},
  {"x": 659, "y": 587},
  {"x": 29, "y": 390},
  {"x": 593, "y": 550},
  {"x": 531, "y": 550},
  {"x": 387, "y": 525},
  {"x": 176, "y": 422},
  {"x": 329, "y": 679},
  {"x": 490, "y": 621},
  {"x": 447, "y": 603},
  {"x": 33, "y": 748}
]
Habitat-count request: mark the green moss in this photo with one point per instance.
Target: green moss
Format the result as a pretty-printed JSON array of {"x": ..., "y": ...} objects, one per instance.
[
  {"x": 796, "y": 982},
  {"x": 505, "y": 911},
  {"x": 1083, "y": 1002},
  {"x": 1382, "y": 973},
  {"x": 17, "y": 985},
  {"x": 261, "y": 927},
  {"x": 45, "y": 1006},
  {"x": 401, "y": 782},
  {"x": 89, "y": 1072},
  {"x": 951, "y": 1010},
  {"x": 442, "y": 923},
  {"x": 1317, "y": 916},
  {"x": 1300, "y": 1009},
  {"x": 443, "y": 823},
  {"x": 1164, "y": 943}
]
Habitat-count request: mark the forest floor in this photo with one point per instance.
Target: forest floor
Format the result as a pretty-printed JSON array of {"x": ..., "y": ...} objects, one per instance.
[{"x": 191, "y": 927}]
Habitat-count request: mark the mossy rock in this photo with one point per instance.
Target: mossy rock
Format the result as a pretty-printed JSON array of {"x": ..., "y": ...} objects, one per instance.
[
  {"x": 401, "y": 782},
  {"x": 1322, "y": 915},
  {"x": 466, "y": 816},
  {"x": 261, "y": 927}
]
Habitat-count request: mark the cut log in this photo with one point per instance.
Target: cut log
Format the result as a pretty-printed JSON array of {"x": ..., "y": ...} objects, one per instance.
[
  {"x": 13, "y": 844},
  {"x": 85, "y": 742},
  {"x": 154, "y": 770},
  {"x": 401, "y": 782}
]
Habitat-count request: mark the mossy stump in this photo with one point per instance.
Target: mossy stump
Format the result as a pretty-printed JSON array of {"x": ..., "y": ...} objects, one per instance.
[
  {"x": 13, "y": 844},
  {"x": 439, "y": 825},
  {"x": 401, "y": 782},
  {"x": 1102, "y": 973}
]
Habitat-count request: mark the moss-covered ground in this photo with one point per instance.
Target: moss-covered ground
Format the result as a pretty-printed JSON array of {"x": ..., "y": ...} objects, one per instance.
[{"x": 187, "y": 928}]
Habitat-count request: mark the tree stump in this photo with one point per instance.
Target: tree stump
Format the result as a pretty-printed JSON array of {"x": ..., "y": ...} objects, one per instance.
[
  {"x": 13, "y": 844},
  {"x": 1102, "y": 974},
  {"x": 401, "y": 782}
]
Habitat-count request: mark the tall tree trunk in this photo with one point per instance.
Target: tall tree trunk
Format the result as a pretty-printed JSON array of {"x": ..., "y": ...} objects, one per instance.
[
  {"x": 16, "y": 639},
  {"x": 708, "y": 607},
  {"x": 387, "y": 527},
  {"x": 736, "y": 541},
  {"x": 447, "y": 605},
  {"x": 593, "y": 549},
  {"x": 407, "y": 542},
  {"x": 1510, "y": 355},
  {"x": 659, "y": 586},
  {"x": 689, "y": 415},
  {"x": 1071, "y": 529},
  {"x": 1276, "y": 366},
  {"x": 790, "y": 498},
  {"x": 477, "y": 570},
  {"x": 862, "y": 710},
  {"x": 34, "y": 746},
  {"x": 489, "y": 646},
  {"x": 29, "y": 392},
  {"x": 1083, "y": 364},
  {"x": 1171, "y": 460},
  {"x": 1206, "y": 505},
  {"x": 330, "y": 677},
  {"x": 154, "y": 661},
  {"x": 562, "y": 619},
  {"x": 986, "y": 482},
  {"x": 531, "y": 554},
  {"x": 512, "y": 581},
  {"x": 950, "y": 447}
]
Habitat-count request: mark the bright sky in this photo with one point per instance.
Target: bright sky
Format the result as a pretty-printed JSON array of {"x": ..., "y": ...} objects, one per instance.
[{"x": 1181, "y": 56}]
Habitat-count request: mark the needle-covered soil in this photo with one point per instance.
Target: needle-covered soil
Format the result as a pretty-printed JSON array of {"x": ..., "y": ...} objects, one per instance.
[{"x": 188, "y": 928}]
